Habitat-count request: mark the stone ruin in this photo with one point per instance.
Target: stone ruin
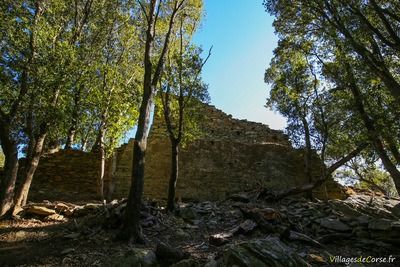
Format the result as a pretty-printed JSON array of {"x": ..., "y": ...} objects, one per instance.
[{"x": 231, "y": 156}]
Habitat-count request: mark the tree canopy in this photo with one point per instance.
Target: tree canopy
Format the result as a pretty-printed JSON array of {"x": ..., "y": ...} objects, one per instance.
[{"x": 336, "y": 67}]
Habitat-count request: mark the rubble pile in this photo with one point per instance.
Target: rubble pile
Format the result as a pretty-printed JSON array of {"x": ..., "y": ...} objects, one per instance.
[{"x": 239, "y": 231}]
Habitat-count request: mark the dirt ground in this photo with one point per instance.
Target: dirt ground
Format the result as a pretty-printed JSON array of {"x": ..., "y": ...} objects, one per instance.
[{"x": 205, "y": 230}]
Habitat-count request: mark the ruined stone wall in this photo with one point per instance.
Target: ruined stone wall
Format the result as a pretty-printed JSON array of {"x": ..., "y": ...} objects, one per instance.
[
  {"x": 231, "y": 156},
  {"x": 68, "y": 175},
  {"x": 217, "y": 125}
]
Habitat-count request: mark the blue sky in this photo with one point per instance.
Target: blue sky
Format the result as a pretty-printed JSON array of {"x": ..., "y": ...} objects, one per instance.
[{"x": 243, "y": 40}]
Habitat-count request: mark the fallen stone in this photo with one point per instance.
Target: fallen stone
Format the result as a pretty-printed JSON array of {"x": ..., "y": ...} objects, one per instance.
[
  {"x": 39, "y": 210},
  {"x": 396, "y": 210},
  {"x": 265, "y": 218},
  {"x": 220, "y": 239},
  {"x": 169, "y": 255},
  {"x": 135, "y": 257},
  {"x": 380, "y": 224},
  {"x": 92, "y": 206},
  {"x": 361, "y": 232},
  {"x": 20, "y": 235},
  {"x": 187, "y": 263},
  {"x": 188, "y": 214},
  {"x": 211, "y": 263},
  {"x": 181, "y": 234},
  {"x": 72, "y": 235},
  {"x": 334, "y": 237},
  {"x": 296, "y": 236},
  {"x": 364, "y": 219},
  {"x": 55, "y": 217},
  {"x": 334, "y": 224},
  {"x": 67, "y": 251},
  {"x": 269, "y": 214},
  {"x": 240, "y": 197},
  {"x": 79, "y": 211},
  {"x": 345, "y": 208},
  {"x": 262, "y": 252},
  {"x": 61, "y": 207},
  {"x": 246, "y": 227},
  {"x": 313, "y": 258}
]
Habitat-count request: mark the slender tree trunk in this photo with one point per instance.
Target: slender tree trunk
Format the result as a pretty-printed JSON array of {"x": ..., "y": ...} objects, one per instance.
[
  {"x": 102, "y": 154},
  {"x": 307, "y": 154},
  {"x": 96, "y": 145},
  {"x": 131, "y": 226},
  {"x": 22, "y": 195},
  {"x": 70, "y": 137},
  {"x": 84, "y": 142},
  {"x": 7, "y": 183},
  {"x": 131, "y": 223},
  {"x": 174, "y": 174},
  {"x": 111, "y": 184},
  {"x": 74, "y": 120}
]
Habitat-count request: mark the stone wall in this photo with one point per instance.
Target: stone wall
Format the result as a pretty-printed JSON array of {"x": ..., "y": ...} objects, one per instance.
[
  {"x": 68, "y": 175},
  {"x": 231, "y": 156}
]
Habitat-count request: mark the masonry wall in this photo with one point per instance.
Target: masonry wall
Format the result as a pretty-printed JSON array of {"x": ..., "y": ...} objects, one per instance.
[
  {"x": 68, "y": 175},
  {"x": 231, "y": 156}
]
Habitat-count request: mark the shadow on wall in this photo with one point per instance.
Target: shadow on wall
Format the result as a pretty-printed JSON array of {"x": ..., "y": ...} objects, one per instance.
[{"x": 231, "y": 156}]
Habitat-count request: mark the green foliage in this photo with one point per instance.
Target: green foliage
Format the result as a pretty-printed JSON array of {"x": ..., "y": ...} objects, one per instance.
[
  {"x": 70, "y": 65},
  {"x": 309, "y": 77},
  {"x": 367, "y": 175},
  {"x": 187, "y": 92},
  {"x": 2, "y": 159},
  {"x": 380, "y": 178},
  {"x": 182, "y": 91}
]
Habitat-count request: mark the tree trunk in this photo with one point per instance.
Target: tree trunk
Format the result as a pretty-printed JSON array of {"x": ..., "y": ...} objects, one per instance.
[
  {"x": 74, "y": 119},
  {"x": 111, "y": 184},
  {"x": 70, "y": 137},
  {"x": 102, "y": 154},
  {"x": 30, "y": 169},
  {"x": 131, "y": 224},
  {"x": 307, "y": 154},
  {"x": 7, "y": 183},
  {"x": 174, "y": 174},
  {"x": 84, "y": 143}
]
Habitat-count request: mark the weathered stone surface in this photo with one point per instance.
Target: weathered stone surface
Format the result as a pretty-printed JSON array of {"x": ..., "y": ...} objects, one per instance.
[
  {"x": 40, "y": 210},
  {"x": 334, "y": 224},
  {"x": 136, "y": 257},
  {"x": 187, "y": 263},
  {"x": 380, "y": 224},
  {"x": 246, "y": 227},
  {"x": 55, "y": 217},
  {"x": 211, "y": 263},
  {"x": 232, "y": 156},
  {"x": 68, "y": 175},
  {"x": 396, "y": 210},
  {"x": 61, "y": 207},
  {"x": 169, "y": 255},
  {"x": 220, "y": 239},
  {"x": 261, "y": 252},
  {"x": 188, "y": 214}
]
